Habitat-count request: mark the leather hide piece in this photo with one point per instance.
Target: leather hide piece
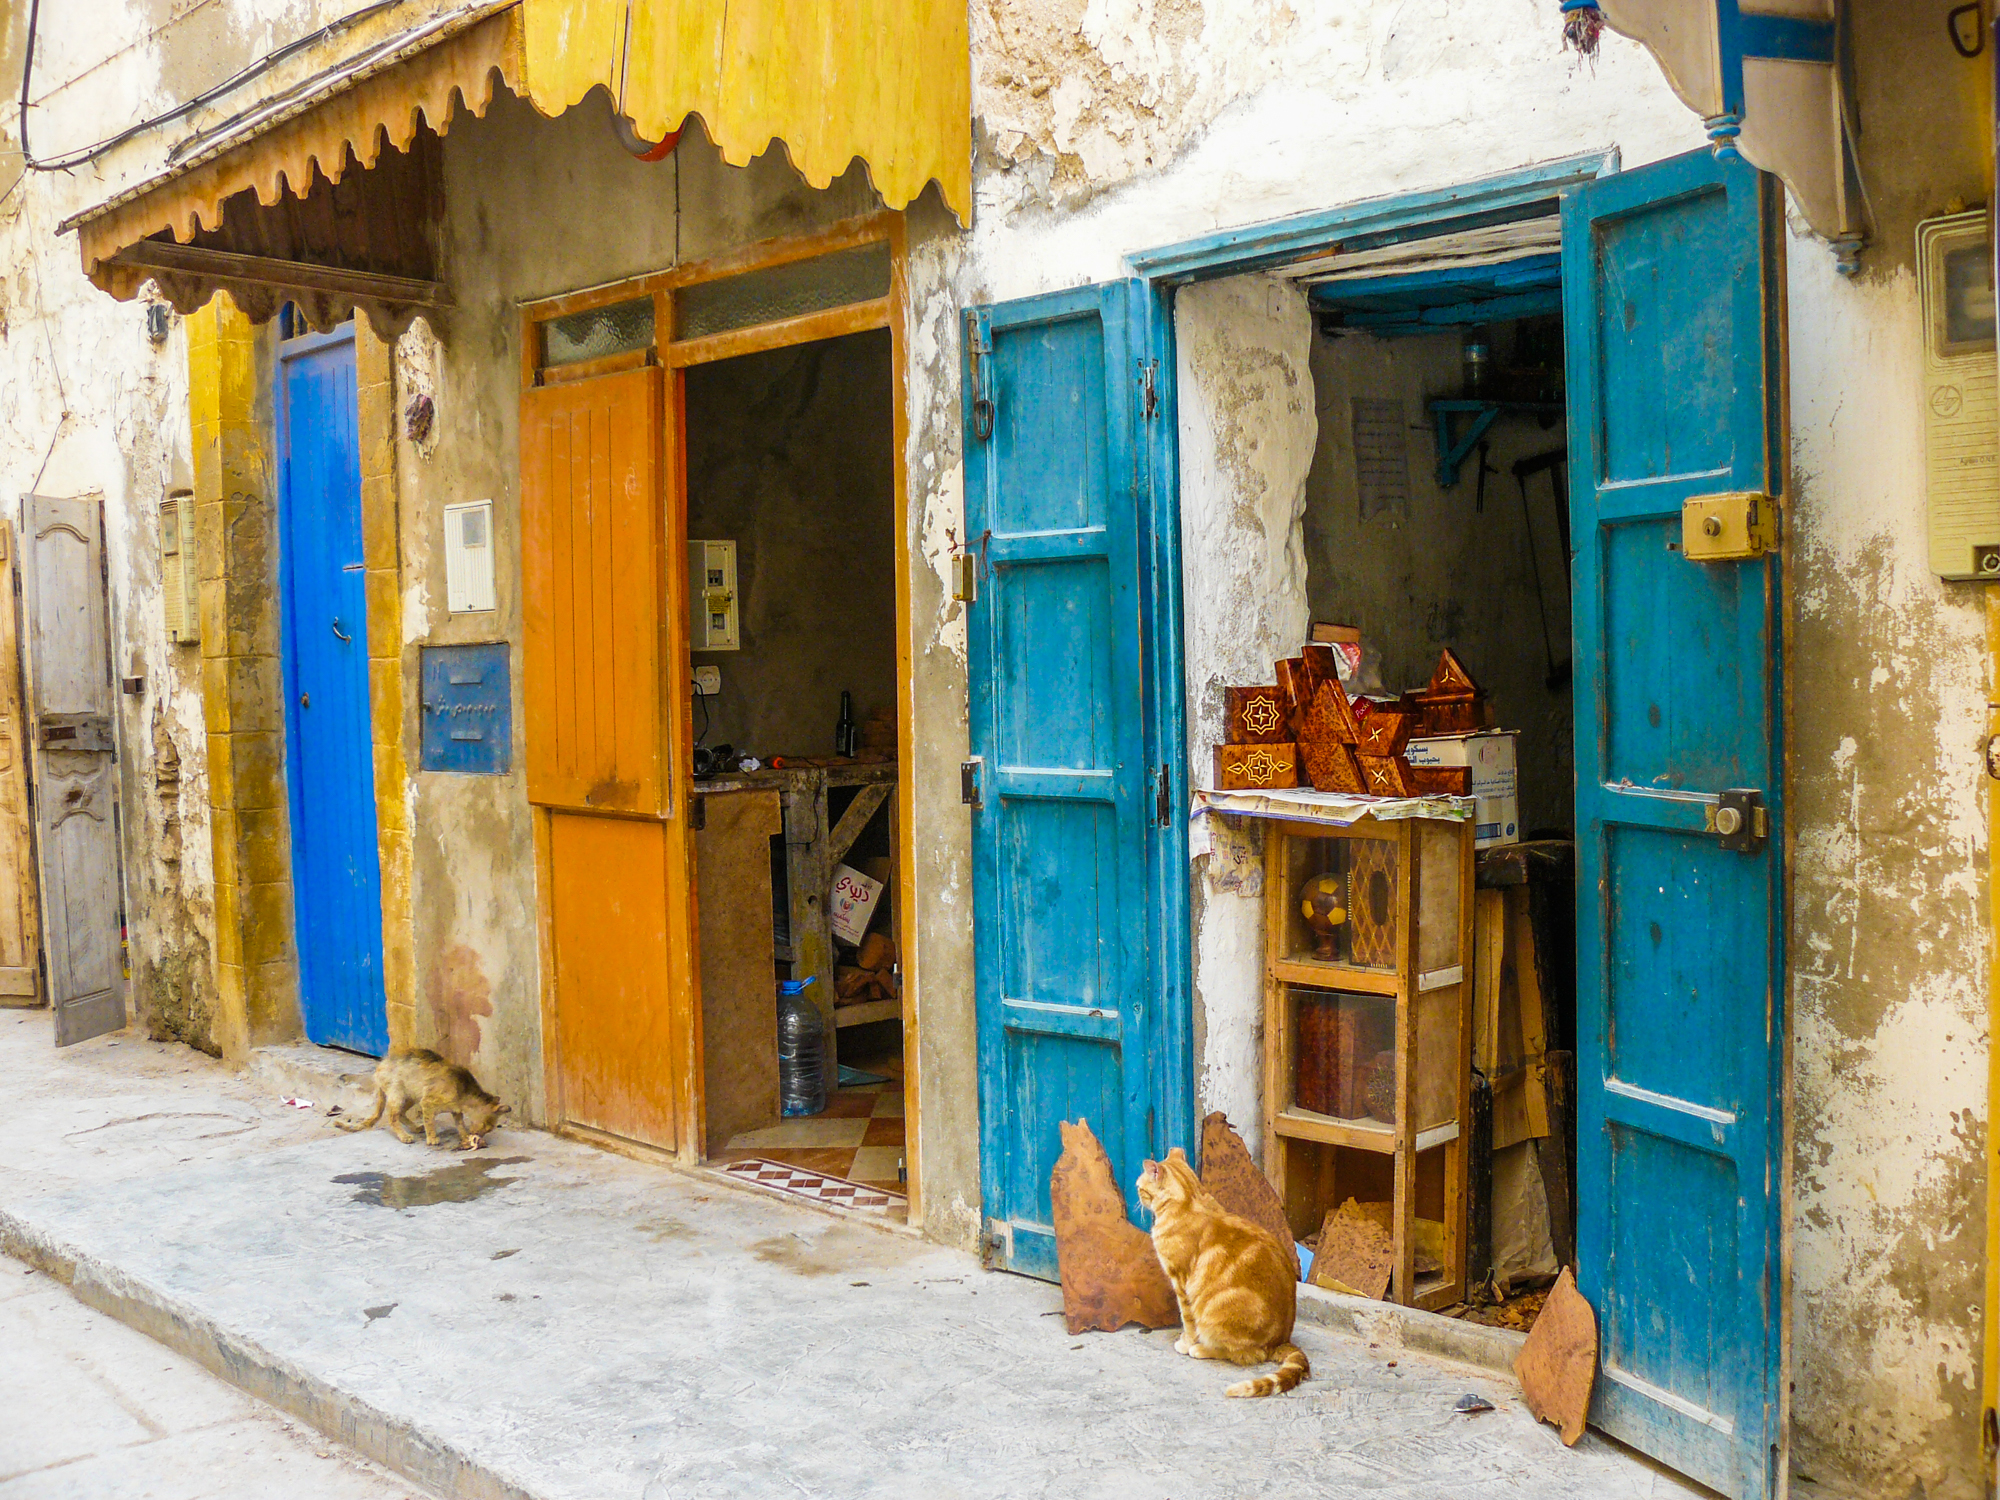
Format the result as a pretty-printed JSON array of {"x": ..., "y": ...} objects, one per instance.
[
  {"x": 1110, "y": 1275},
  {"x": 1238, "y": 1185},
  {"x": 1558, "y": 1365}
]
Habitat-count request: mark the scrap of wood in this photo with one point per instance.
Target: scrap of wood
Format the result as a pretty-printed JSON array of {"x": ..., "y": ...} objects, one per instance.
[
  {"x": 1238, "y": 1185},
  {"x": 1110, "y": 1274},
  {"x": 867, "y": 802},
  {"x": 1557, "y": 1366},
  {"x": 1355, "y": 1253}
]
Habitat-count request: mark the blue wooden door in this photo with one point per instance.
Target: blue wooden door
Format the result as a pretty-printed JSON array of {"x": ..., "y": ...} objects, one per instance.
[
  {"x": 329, "y": 756},
  {"x": 1672, "y": 301},
  {"x": 1079, "y": 895}
]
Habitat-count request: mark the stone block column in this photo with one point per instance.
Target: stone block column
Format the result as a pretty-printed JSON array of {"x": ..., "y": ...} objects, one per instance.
[
  {"x": 382, "y": 550},
  {"x": 257, "y": 985}
]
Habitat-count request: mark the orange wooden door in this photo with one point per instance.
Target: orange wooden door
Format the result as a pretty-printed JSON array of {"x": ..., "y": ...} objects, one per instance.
[
  {"x": 603, "y": 635},
  {"x": 592, "y": 594}
]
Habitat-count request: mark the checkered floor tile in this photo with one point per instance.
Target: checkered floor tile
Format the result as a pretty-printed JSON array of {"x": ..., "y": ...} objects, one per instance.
[{"x": 817, "y": 1187}]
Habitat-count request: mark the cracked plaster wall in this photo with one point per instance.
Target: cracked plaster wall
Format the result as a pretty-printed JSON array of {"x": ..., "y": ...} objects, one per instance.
[{"x": 94, "y": 407}]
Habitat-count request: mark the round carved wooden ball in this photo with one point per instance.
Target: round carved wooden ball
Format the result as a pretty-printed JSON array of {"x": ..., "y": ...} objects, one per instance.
[{"x": 1319, "y": 904}]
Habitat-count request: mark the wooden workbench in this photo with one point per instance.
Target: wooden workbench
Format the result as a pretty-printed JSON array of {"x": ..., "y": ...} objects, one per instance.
[{"x": 813, "y": 849}]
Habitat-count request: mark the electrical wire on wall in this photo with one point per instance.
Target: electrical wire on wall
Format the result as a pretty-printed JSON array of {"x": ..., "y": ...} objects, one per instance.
[{"x": 236, "y": 80}]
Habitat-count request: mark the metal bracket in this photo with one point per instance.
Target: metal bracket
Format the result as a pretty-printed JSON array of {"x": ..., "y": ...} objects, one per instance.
[
  {"x": 1740, "y": 818},
  {"x": 1149, "y": 370},
  {"x": 1739, "y": 526},
  {"x": 968, "y": 781},
  {"x": 1163, "y": 805}
]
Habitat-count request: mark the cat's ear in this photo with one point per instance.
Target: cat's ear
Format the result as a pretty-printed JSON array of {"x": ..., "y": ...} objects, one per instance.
[
  {"x": 505, "y": 1109},
  {"x": 1177, "y": 1154}
]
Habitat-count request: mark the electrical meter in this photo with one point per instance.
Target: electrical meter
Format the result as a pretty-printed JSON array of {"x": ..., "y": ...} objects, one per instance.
[{"x": 1961, "y": 395}]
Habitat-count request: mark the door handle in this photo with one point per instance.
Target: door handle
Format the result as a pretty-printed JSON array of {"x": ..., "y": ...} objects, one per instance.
[{"x": 338, "y": 631}]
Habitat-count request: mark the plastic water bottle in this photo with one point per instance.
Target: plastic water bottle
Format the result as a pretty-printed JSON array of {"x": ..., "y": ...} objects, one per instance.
[{"x": 801, "y": 1051}]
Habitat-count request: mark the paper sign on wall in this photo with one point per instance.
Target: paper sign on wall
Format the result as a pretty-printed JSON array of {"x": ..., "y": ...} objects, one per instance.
[{"x": 854, "y": 898}]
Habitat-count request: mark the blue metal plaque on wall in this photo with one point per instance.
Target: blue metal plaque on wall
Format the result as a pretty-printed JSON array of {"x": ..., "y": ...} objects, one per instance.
[{"x": 468, "y": 710}]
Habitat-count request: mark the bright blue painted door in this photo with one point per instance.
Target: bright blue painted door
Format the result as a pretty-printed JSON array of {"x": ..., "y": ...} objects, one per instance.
[
  {"x": 1079, "y": 897},
  {"x": 1671, "y": 289},
  {"x": 329, "y": 757}
]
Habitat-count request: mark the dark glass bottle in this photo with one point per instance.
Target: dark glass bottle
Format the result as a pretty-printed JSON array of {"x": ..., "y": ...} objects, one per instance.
[{"x": 843, "y": 729}]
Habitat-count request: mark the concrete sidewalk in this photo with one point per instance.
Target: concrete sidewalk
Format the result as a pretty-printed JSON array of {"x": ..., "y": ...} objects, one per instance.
[{"x": 542, "y": 1319}]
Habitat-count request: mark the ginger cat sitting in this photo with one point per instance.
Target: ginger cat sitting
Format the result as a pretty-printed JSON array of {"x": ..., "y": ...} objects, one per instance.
[
  {"x": 415, "y": 1075},
  {"x": 1237, "y": 1286}
]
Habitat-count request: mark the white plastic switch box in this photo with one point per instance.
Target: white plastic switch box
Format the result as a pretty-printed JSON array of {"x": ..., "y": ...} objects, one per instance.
[
  {"x": 712, "y": 615},
  {"x": 179, "y": 577},
  {"x": 468, "y": 557}
]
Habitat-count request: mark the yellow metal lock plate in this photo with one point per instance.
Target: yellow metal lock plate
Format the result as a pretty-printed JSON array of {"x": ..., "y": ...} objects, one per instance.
[{"x": 1729, "y": 528}]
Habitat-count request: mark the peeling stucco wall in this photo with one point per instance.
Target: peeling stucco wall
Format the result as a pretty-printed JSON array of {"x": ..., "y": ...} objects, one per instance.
[
  {"x": 1888, "y": 922},
  {"x": 94, "y": 407},
  {"x": 1247, "y": 430}
]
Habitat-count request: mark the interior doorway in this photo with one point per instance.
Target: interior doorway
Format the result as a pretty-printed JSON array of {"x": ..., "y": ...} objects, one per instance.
[
  {"x": 1668, "y": 279},
  {"x": 713, "y": 559},
  {"x": 791, "y": 507}
]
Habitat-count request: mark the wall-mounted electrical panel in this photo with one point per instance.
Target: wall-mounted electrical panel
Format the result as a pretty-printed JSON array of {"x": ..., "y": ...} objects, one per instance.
[
  {"x": 1961, "y": 395},
  {"x": 180, "y": 578},
  {"x": 712, "y": 615},
  {"x": 468, "y": 557}
]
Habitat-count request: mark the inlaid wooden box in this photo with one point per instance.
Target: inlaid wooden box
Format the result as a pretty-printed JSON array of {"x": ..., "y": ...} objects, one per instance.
[
  {"x": 1256, "y": 767},
  {"x": 1257, "y": 716}
]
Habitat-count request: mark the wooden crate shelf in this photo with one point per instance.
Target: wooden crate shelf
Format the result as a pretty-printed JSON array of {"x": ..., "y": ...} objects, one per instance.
[{"x": 1384, "y": 1001}]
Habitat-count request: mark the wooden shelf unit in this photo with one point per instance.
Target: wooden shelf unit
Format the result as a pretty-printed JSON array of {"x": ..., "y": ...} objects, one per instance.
[{"x": 1415, "y": 884}]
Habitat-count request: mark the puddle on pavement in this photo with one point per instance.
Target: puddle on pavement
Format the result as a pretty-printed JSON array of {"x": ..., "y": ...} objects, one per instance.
[{"x": 459, "y": 1183}]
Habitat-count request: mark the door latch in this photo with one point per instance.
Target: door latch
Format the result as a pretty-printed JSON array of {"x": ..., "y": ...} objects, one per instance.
[
  {"x": 968, "y": 781},
  {"x": 1163, "y": 805},
  {"x": 1739, "y": 526},
  {"x": 1741, "y": 819}
]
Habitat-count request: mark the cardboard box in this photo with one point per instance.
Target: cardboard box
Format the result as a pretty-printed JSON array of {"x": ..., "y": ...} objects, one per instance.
[
  {"x": 1490, "y": 757},
  {"x": 854, "y": 898}
]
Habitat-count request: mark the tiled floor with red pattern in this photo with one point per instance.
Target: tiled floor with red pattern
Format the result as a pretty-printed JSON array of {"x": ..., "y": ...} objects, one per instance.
[{"x": 858, "y": 1137}]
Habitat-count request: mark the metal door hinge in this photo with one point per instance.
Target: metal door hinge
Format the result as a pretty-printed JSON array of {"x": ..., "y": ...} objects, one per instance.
[
  {"x": 1163, "y": 805},
  {"x": 996, "y": 1246},
  {"x": 1741, "y": 819},
  {"x": 968, "y": 781},
  {"x": 1149, "y": 372},
  {"x": 1739, "y": 526},
  {"x": 979, "y": 339}
]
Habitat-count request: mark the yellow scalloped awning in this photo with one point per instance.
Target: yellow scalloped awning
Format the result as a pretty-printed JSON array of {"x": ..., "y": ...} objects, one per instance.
[
  {"x": 831, "y": 80},
  {"x": 275, "y": 175}
]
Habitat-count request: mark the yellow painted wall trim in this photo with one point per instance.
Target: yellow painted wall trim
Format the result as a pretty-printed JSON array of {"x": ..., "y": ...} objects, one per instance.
[
  {"x": 256, "y": 969},
  {"x": 381, "y": 544},
  {"x": 887, "y": 81}
]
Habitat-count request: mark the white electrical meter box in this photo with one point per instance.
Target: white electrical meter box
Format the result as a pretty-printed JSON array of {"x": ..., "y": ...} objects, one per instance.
[
  {"x": 468, "y": 557},
  {"x": 179, "y": 577},
  {"x": 712, "y": 618},
  {"x": 1961, "y": 395}
]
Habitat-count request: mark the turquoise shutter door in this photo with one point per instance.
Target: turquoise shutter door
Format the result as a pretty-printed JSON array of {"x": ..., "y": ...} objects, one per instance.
[
  {"x": 1079, "y": 877},
  {"x": 1672, "y": 294}
]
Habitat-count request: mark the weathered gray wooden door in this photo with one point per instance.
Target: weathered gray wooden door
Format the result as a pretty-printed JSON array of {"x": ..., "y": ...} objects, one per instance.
[
  {"x": 19, "y": 924},
  {"x": 66, "y": 625}
]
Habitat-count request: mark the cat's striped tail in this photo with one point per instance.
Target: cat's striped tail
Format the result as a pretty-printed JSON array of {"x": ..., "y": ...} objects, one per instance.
[{"x": 1290, "y": 1373}]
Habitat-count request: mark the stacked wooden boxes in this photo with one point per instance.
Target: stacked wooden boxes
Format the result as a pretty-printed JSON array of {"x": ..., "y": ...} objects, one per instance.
[
  {"x": 1305, "y": 729},
  {"x": 1261, "y": 753}
]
